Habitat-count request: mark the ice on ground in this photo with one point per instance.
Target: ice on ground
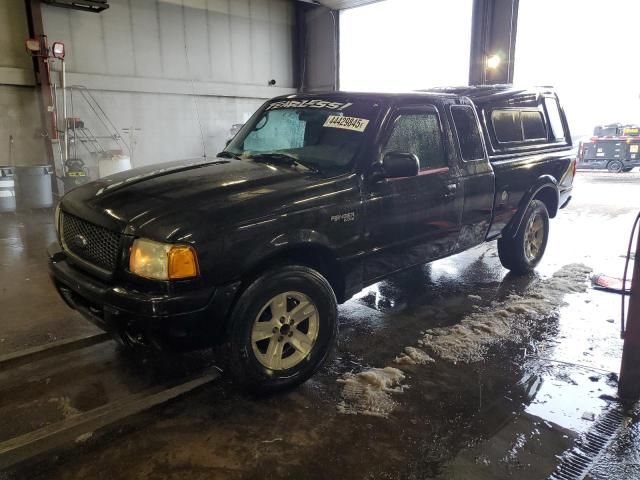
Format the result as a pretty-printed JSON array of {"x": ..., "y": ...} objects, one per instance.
[
  {"x": 413, "y": 356},
  {"x": 469, "y": 340},
  {"x": 65, "y": 406},
  {"x": 370, "y": 392}
]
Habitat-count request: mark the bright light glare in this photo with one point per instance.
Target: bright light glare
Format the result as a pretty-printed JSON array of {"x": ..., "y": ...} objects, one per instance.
[
  {"x": 493, "y": 62},
  {"x": 587, "y": 49},
  {"x": 58, "y": 50},
  {"x": 400, "y": 45}
]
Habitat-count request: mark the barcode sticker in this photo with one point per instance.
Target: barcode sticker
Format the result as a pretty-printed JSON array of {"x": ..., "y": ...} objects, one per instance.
[{"x": 346, "y": 123}]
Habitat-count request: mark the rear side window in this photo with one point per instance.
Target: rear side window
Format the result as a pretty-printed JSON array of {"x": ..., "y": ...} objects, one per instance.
[
  {"x": 533, "y": 125},
  {"x": 418, "y": 133},
  {"x": 468, "y": 132},
  {"x": 554, "y": 118},
  {"x": 507, "y": 126}
]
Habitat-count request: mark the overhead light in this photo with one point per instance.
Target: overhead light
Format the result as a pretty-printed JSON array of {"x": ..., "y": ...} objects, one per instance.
[
  {"x": 493, "y": 62},
  {"x": 58, "y": 50},
  {"x": 33, "y": 45}
]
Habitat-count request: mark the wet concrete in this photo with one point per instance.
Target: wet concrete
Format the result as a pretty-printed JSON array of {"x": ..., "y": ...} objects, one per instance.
[
  {"x": 30, "y": 312},
  {"x": 510, "y": 415}
]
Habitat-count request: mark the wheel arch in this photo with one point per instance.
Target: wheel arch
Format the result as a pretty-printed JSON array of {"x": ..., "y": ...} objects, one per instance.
[
  {"x": 308, "y": 248},
  {"x": 546, "y": 190},
  {"x": 313, "y": 255}
]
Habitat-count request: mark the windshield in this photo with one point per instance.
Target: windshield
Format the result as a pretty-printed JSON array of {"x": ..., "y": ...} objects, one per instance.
[{"x": 321, "y": 135}]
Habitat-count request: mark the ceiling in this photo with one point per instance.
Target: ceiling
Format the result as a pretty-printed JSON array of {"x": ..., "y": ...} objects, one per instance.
[{"x": 340, "y": 4}]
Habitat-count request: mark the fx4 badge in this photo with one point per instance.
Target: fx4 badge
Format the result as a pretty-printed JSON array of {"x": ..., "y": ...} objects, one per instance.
[{"x": 344, "y": 217}]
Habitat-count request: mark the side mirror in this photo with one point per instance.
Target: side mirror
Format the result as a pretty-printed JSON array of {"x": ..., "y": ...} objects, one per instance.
[{"x": 400, "y": 164}]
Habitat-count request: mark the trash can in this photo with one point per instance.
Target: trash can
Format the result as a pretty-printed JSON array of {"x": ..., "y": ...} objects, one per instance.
[
  {"x": 33, "y": 187},
  {"x": 7, "y": 189}
]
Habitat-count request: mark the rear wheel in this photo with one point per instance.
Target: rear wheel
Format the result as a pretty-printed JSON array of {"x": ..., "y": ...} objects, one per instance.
[
  {"x": 614, "y": 166},
  {"x": 522, "y": 253},
  {"x": 282, "y": 329}
]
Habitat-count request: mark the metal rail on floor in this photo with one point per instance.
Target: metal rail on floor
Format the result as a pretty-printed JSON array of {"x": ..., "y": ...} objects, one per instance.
[
  {"x": 50, "y": 437},
  {"x": 34, "y": 354}
]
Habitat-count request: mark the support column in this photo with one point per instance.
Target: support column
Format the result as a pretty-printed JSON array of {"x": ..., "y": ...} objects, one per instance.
[
  {"x": 318, "y": 38},
  {"x": 493, "y": 32},
  {"x": 629, "y": 386},
  {"x": 43, "y": 83}
]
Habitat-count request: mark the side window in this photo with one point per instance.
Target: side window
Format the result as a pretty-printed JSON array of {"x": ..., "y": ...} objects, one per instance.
[
  {"x": 554, "y": 118},
  {"x": 468, "y": 132},
  {"x": 418, "y": 133},
  {"x": 533, "y": 125},
  {"x": 506, "y": 124}
]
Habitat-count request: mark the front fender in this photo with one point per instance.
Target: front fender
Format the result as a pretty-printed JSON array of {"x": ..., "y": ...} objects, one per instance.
[
  {"x": 285, "y": 242},
  {"x": 545, "y": 184}
]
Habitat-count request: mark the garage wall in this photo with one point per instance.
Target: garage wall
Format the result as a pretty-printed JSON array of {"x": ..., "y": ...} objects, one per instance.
[
  {"x": 152, "y": 63},
  {"x": 20, "y": 139}
]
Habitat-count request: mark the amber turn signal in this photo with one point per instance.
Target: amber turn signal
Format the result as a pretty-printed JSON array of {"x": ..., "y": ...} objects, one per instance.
[{"x": 182, "y": 262}]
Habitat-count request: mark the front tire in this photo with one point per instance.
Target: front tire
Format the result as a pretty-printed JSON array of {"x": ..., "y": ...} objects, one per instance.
[
  {"x": 522, "y": 253},
  {"x": 614, "y": 166},
  {"x": 282, "y": 329}
]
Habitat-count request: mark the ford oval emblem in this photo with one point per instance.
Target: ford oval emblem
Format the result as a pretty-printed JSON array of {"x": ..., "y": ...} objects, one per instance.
[{"x": 79, "y": 242}]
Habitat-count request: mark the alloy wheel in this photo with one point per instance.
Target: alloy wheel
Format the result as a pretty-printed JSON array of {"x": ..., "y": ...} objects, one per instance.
[{"x": 285, "y": 331}]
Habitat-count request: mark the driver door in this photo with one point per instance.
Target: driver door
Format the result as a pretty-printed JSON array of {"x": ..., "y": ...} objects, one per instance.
[{"x": 413, "y": 220}]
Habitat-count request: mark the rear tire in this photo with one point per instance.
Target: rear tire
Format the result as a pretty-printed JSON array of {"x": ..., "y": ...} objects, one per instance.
[
  {"x": 614, "y": 166},
  {"x": 522, "y": 253},
  {"x": 282, "y": 329}
]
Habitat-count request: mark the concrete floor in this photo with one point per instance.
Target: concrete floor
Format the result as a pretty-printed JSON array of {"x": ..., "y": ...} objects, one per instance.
[{"x": 511, "y": 413}]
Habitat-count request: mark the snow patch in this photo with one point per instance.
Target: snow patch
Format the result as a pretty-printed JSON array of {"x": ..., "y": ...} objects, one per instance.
[
  {"x": 469, "y": 340},
  {"x": 65, "y": 406},
  {"x": 413, "y": 356},
  {"x": 369, "y": 392}
]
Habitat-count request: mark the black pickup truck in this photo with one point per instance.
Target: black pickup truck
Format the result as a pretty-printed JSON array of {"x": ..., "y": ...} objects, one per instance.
[{"x": 315, "y": 197}]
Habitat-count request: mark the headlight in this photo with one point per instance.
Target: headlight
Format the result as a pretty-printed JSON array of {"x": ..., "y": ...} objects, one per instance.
[
  {"x": 162, "y": 261},
  {"x": 57, "y": 218}
]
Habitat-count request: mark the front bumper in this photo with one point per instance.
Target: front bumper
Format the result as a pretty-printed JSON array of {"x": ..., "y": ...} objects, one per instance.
[{"x": 196, "y": 318}]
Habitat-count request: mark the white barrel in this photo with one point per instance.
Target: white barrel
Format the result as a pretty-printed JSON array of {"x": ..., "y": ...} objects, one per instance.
[
  {"x": 7, "y": 189},
  {"x": 108, "y": 165}
]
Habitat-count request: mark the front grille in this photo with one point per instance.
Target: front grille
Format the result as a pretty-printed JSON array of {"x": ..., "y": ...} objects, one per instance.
[{"x": 96, "y": 245}]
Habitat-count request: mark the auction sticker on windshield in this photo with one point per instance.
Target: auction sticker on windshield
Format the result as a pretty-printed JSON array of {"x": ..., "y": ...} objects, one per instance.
[{"x": 346, "y": 123}]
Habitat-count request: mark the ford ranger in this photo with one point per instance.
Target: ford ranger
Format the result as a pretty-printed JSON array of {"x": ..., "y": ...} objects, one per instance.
[{"x": 315, "y": 197}]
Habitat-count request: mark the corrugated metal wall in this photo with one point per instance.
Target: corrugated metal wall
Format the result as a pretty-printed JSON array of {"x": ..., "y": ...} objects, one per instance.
[{"x": 147, "y": 60}]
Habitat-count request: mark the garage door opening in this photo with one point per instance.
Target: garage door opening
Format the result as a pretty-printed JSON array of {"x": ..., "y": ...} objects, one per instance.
[
  {"x": 588, "y": 54},
  {"x": 405, "y": 45}
]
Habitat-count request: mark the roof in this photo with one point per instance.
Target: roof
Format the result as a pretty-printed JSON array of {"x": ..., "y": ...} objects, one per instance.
[
  {"x": 371, "y": 96},
  {"x": 474, "y": 92},
  {"x": 491, "y": 92}
]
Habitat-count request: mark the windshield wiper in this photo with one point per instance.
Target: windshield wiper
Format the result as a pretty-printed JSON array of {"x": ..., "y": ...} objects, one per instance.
[
  {"x": 228, "y": 154},
  {"x": 285, "y": 158}
]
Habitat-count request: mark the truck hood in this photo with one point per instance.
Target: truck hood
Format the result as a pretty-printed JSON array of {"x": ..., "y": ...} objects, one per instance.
[{"x": 162, "y": 201}]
